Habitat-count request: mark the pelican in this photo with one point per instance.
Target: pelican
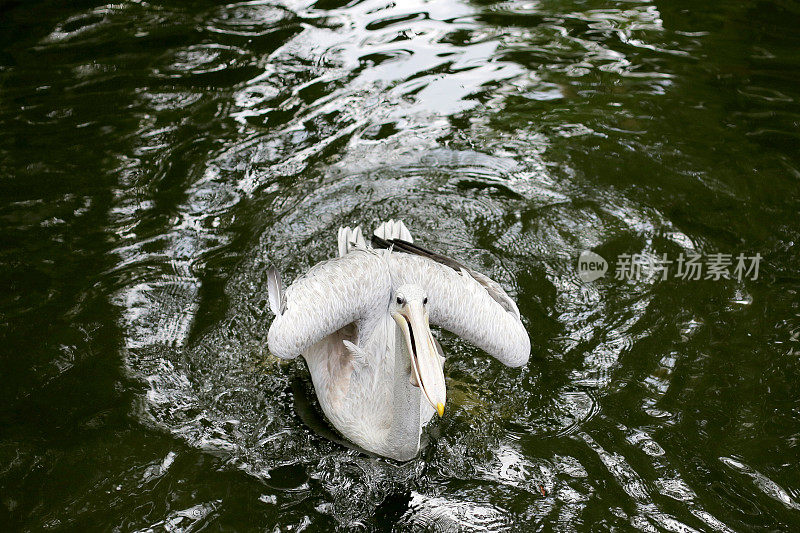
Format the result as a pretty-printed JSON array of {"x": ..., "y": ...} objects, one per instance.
[{"x": 362, "y": 323}]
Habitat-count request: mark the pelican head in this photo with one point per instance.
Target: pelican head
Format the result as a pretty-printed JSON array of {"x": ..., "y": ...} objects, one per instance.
[{"x": 409, "y": 310}]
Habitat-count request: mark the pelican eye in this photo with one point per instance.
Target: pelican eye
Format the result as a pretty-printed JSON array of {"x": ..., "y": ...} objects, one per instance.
[
  {"x": 425, "y": 301},
  {"x": 400, "y": 300}
]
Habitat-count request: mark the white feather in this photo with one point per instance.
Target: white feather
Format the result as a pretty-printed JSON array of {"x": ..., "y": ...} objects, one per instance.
[
  {"x": 350, "y": 239},
  {"x": 393, "y": 229},
  {"x": 337, "y": 316},
  {"x": 277, "y": 300}
]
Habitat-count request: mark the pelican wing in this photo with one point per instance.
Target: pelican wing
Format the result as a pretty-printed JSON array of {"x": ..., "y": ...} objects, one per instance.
[
  {"x": 492, "y": 287},
  {"x": 475, "y": 309},
  {"x": 328, "y": 297}
]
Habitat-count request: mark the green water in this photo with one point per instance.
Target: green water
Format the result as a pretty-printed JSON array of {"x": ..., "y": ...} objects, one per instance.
[{"x": 156, "y": 156}]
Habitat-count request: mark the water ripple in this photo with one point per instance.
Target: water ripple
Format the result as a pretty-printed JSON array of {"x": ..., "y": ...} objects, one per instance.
[
  {"x": 200, "y": 59},
  {"x": 250, "y": 19},
  {"x": 513, "y": 136}
]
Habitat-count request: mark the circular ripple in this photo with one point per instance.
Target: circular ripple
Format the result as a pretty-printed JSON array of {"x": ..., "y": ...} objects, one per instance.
[
  {"x": 256, "y": 95},
  {"x": 212, "y": 198},
  {"x": 248, "y": 19},
  {"x": 201, "y": 59}
]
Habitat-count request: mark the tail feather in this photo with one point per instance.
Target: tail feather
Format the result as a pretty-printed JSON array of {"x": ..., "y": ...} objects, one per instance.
[
  {"x": 348, "y": 239},
  {"x": 277, "y": 296},
  {"x": 393, "y": 229}
]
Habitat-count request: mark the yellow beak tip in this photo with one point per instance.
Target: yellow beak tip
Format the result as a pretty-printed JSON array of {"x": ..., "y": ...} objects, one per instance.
[{"x": 440, "y": 409}]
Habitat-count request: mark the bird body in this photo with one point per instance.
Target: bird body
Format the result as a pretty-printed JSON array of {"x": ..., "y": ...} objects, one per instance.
[{"x": 361, "y": 321}]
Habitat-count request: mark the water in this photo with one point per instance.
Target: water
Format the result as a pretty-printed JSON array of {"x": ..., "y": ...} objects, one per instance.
[{"x": 156, "y": 156}]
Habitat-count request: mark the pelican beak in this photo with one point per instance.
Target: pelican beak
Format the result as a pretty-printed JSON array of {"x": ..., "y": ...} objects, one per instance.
[{"x": 426, "y": 368}]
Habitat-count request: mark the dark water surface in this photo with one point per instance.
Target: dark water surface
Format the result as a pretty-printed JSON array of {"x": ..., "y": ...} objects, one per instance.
[{"x": 156, "y": 156}]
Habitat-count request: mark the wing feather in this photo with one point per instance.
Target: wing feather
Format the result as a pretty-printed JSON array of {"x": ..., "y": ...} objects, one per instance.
[
  {"x": 277, "y": 298},
  {"x": 460, "y": 303},
  {"x": 331, "y": 295},
  {"x": 492, "y": 287}
]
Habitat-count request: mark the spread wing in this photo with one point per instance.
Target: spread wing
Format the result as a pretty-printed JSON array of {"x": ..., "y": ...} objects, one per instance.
[
  {"x": 492, "y": 287},
  {"x": 328, "y": 297},
  {"x": 469, "y": 304}
]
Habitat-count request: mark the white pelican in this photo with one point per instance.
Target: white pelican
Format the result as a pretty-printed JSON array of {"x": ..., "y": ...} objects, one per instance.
[{"x": 361, "y": 321}]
